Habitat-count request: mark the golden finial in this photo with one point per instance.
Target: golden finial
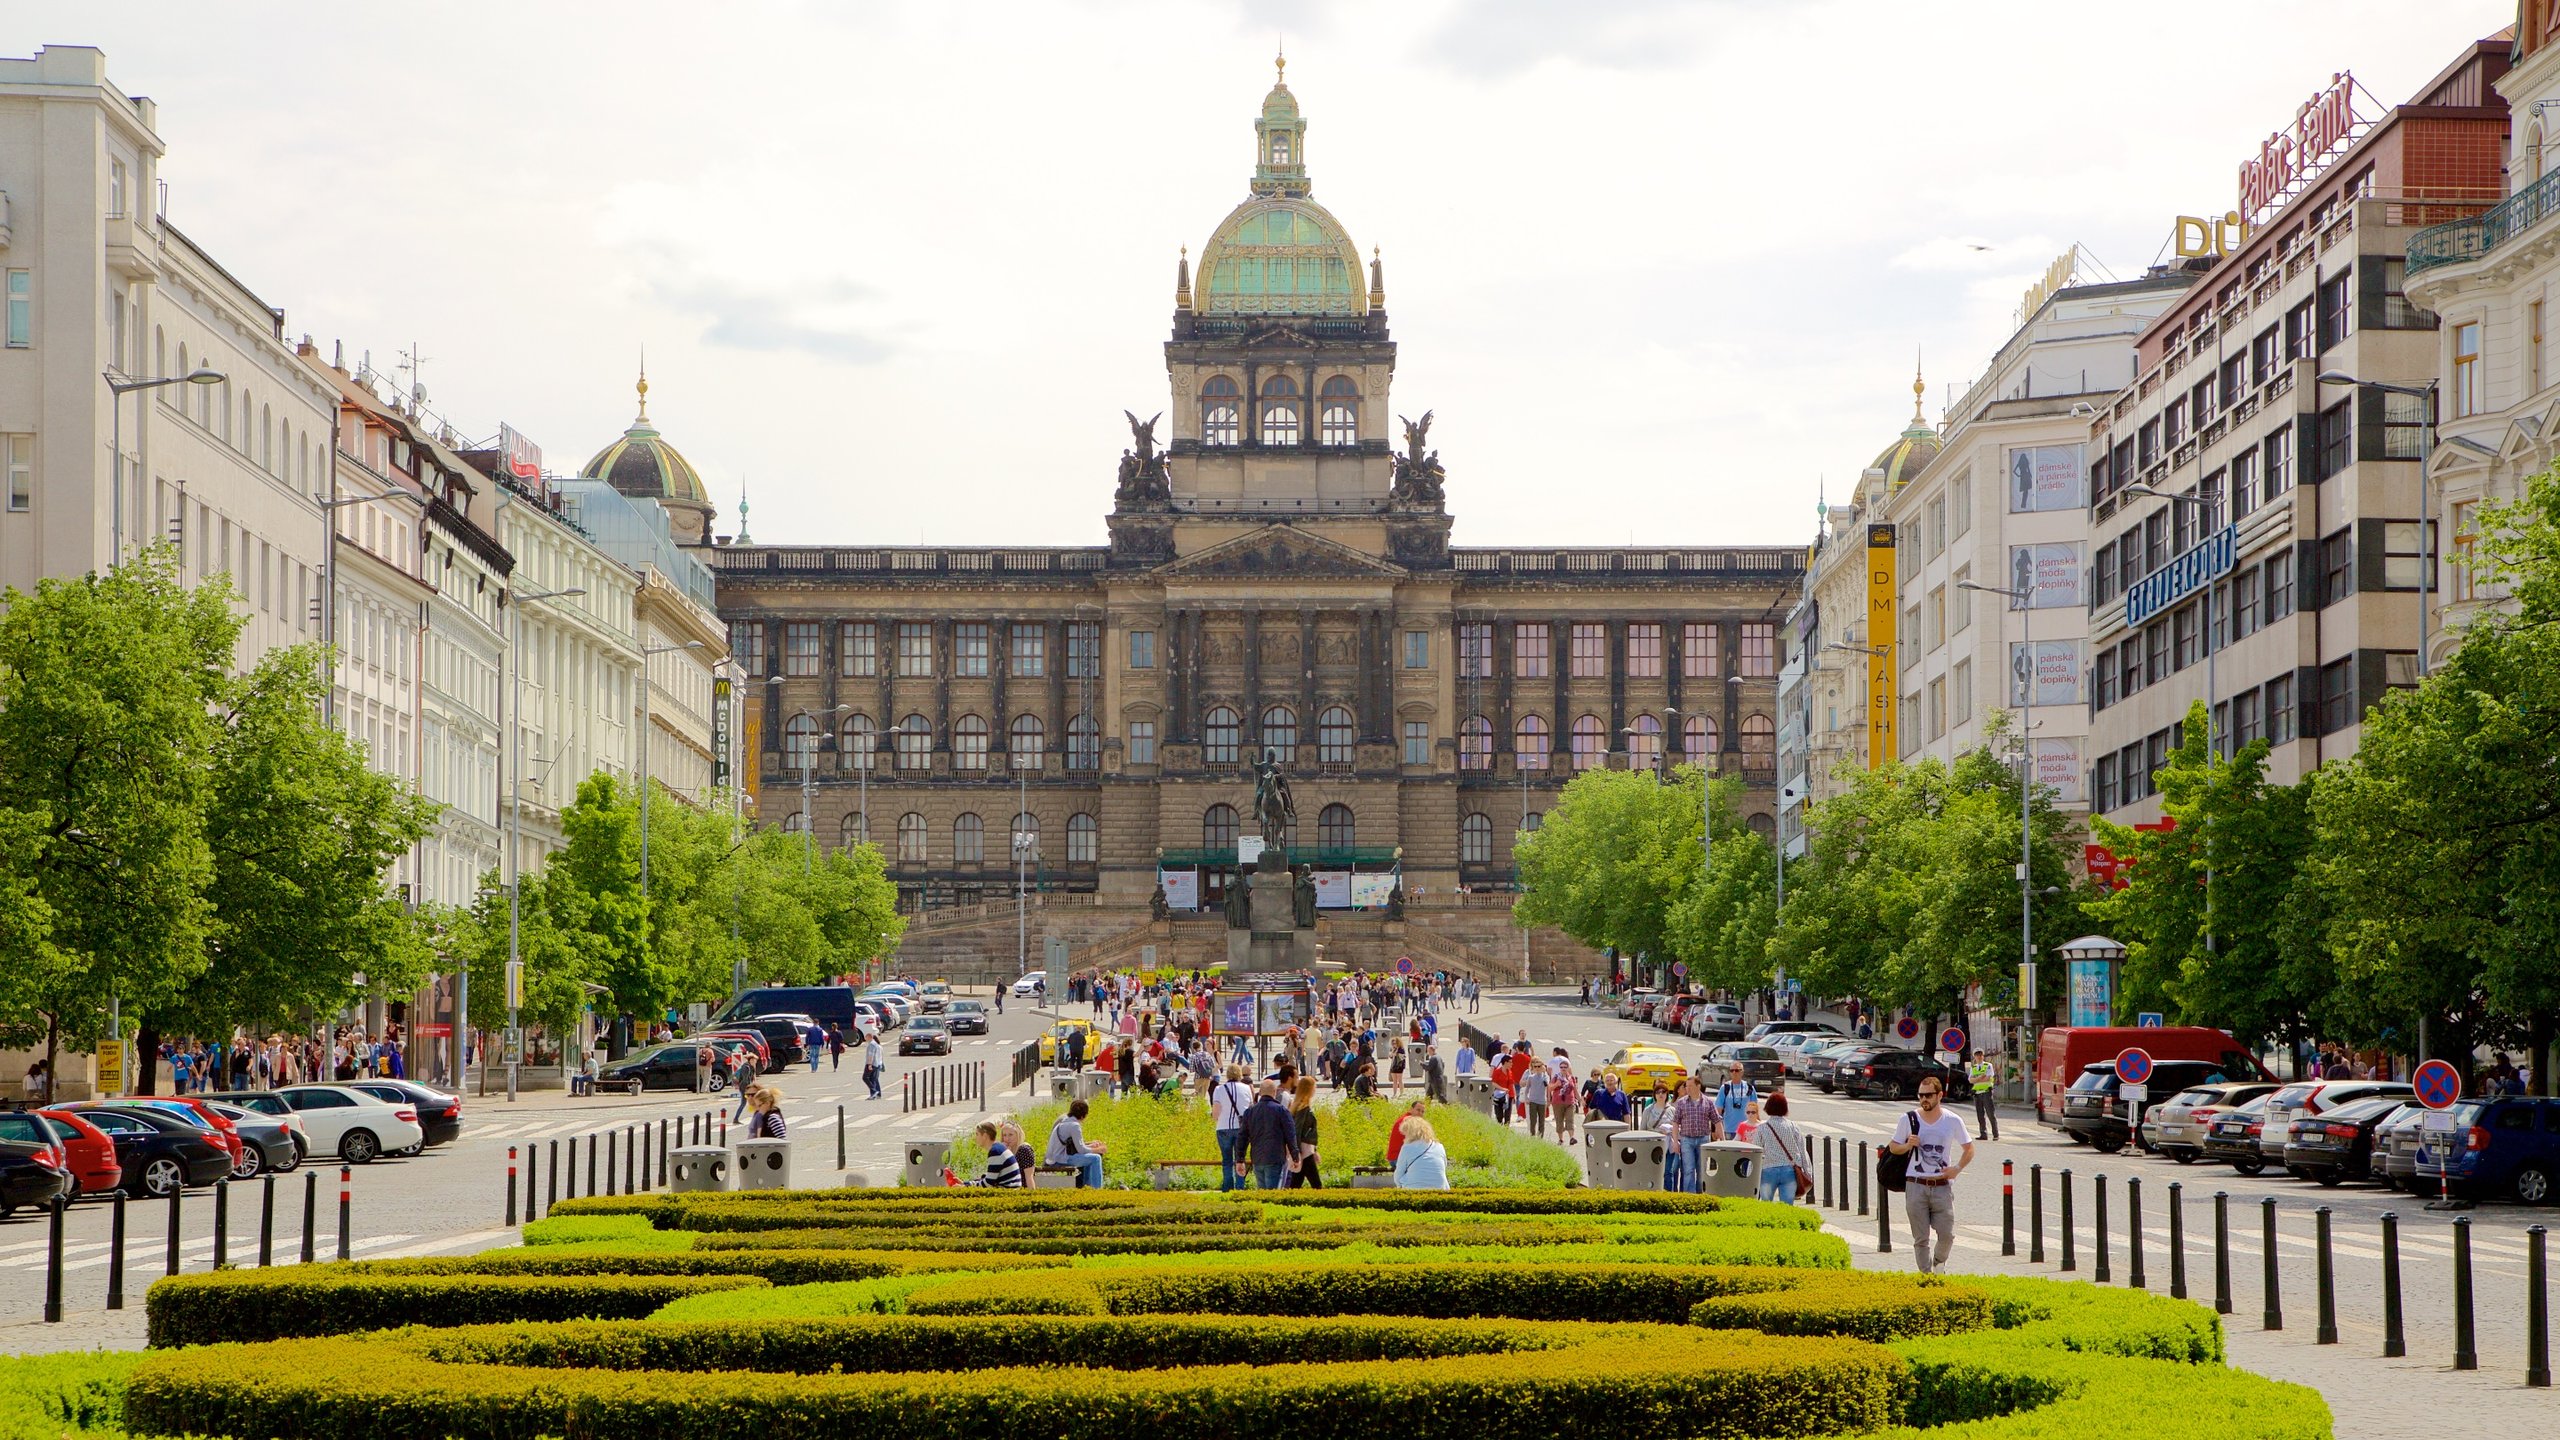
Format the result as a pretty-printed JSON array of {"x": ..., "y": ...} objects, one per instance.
[
  {"x": 1919, "y": 390},
  {"x": 644, "y": 387},
  {"x": 1280, "y": 63}
]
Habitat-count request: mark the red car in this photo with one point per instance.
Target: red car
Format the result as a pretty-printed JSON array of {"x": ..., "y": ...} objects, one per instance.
[
  {"x": 187, "y": 1107},
  {"x": 90, "y": 1151},
  {"x": 58, "y": 1138},
  {"x": 753, "y": 1040}
]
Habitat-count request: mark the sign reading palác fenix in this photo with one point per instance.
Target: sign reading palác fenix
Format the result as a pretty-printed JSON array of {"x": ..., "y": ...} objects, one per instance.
[
  {"x": 2208, "y": 561},
  {"x": 2321, "y": 128},
  {"x": 2056, "y": 275}
]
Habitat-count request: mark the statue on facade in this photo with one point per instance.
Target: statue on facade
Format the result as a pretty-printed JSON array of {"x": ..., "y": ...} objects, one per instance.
[
  {"x": 1159, "y": 908},
  {"x": 1273, "y": 808},
  {"x": 1144, "y": 433},
  {"x": 1302, "y": 897},
  {"x": 1419, "y": 478},
  {"x": 1143, "y": 480},
  {"x": 1395, "y": 902},
  {"x": 1239, "y": 902}
]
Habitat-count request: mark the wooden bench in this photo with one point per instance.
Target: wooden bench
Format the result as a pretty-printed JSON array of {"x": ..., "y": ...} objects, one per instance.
[
  {"x": 1373, "y": 1177},
  {"x": 1160, "y": 1174},
  {"x": 1053, "y": 1177}
]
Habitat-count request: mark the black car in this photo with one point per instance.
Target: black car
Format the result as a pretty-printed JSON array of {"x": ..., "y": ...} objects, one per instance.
[
  {"x": 439, "y": 1114},
  {"x": 1760, "y": 1064},
  {"x": 159, "y": 1152},
  {"x": 31, "y": 1175},
  {"x": 2094, "y": 1110},
  {"x": 926, "y": 1035},
  {"x": 266, "y": 1143},
  {"x": 2235, "y": 1137},
  {"x": 2337, "y": 1145},
  {"x": 968, "y": 1017},
  {"x": 1825, "y": 1069},
  {"x": 783, "y": 1035},
  {"x": 1895, "y": 1073},
  {"x": 664, "y": 1067}
]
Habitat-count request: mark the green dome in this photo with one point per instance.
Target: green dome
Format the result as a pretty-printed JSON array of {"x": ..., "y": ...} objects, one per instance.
[
  {"x": 1281, "y": 255},
  {"x": 644, "y": 466}
]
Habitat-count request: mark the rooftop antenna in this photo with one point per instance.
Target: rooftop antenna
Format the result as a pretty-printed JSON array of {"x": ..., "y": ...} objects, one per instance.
[{"x": 412, "y": 363}]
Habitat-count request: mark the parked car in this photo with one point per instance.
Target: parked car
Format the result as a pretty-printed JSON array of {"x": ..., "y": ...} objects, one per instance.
[
  {"x": 1798, "y": 1057},
  {"x": 32, "y": 1175},
  {"x": 827, "y": 1004},
  {"x": 1771, "y": 1029},
  {"x": 1031, "y": 982},
  {"x": 1824, "y": 1068},
  {"x": 439, "y": 1114},
  {"x": 892, "y": 1003},
  {"x": 1640, "y": 1067},
  {"x": 2095, "y": 1113},
  {"x": 926, "y": 1035},
  {"x": 2306, "y": 1098},
  {"x": 2235, "y": 1137},
  {"x": 159, "y": 1152},
  {"x": 2396, "y": 1142},
  {"x": 1051, "y": 1038},
  {"x": 2337, "y": 1145},
  {"x": 2177, "y": 1125},
  {"x": 2507, "y": 1146},
  {"x": 934, "y": 996},
  {"x": 1634, "y": 1004},
  {"x": 786, "y": 1038},
  {"x": 348, "y": 1123},
  {"x": 188, "y": 1108},
  {"x": 968, "y": 1017},
  {"x": 268, "y": 1143},
  {"x": 89, "y": 1151},
  {"x": 1667, "y": 1012},
  {"x": 2065, "y": 1052},
  {"x": 1895, "y": 1073},
  {"x": 1760, "y": 1063},
  {"x": 1717, "y": 1022},
  {"x": 666, "y": 1067},
  {"x": 753, "y": 1040},
  {"x": 272, "y": 1106}
]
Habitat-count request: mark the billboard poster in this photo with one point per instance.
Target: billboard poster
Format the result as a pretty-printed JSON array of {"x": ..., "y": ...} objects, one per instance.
[
  {"x": 1232, "y": 1014},
  {"x": 1882, "y": 743},
  {"x": 1281, "y": 1009},
  {"x": 1248, "y": 851},
  {"x": 1371, "y": 891},
  {"x": 2047, "y": 477},
  {"x": 1333, "y": 889},
  {"x": 1181, "y": 888},
  {"x": 2058, "y": 769},
  {"x": 2048, "y": 575},
  {"x": 2044, "y": 672},
  {"x": 2093, "y": 1000},
  {"x": 720, "y": 721}
]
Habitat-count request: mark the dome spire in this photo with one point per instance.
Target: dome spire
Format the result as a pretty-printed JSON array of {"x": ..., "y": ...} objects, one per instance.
[
  {"x": 1919, "y": 392},
  {"x": 643, "y": 388},
  {"x": 1280, "y": 140},
  {"x": 1182, "y": 283},
  {"x": 742, "y": 512},
  {"x": 1377, "y": 280}
]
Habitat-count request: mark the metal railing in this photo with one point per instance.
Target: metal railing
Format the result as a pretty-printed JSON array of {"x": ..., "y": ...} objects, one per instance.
[{"x": 2459, "y": 240}]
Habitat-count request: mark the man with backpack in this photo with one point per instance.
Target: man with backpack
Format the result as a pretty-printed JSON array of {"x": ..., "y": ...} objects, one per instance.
[
  {"x": 1934, "y": 1147},
  {"x": 1228, "y": 1101}
]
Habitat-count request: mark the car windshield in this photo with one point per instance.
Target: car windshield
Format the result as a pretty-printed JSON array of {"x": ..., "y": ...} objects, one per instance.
[
  {"x": 927, "y": 1022},
  {"x": 2367, "y": 1109},
  {"x": 2094, "y": 1081},
  {"x": 964, "y": 1006},
  {"x": 2192, "y": 1098},
  {"x": 2292, "y": 1096},
  {"x": 1754, "y": 1052}
]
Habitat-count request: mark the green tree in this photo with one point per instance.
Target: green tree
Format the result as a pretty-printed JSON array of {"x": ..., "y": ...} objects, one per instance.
[{"x": 1617, "y": 859}]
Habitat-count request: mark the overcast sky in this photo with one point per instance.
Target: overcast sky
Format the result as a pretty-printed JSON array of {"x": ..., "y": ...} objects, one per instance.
[{"x": 1659, "y": 267}]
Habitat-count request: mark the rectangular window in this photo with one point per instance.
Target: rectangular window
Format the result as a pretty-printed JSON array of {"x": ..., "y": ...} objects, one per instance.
[
  {"x": 21, "y": 460},
  {"x": 2262, "y": 357},
  {"x": 2248, "y": 602},
  {"x": 1911, "y": 648},
  {"x": 1960, "y": 692},
  {"x": 2385, "y": 299},
  {"x": 2155, "y": 538},
  {"x": 2104, "y": 783},
  {"x": 858, "y": 649},
  {"x": 2533, "y": 348},
  {"x": 2402, "y": 558},
  {"x": 2182, "y": 527},
  {"x": 2466, "y": 536},
  {"x": 1475, "y": 652},
  {"x": 1960, "y": 602},
  {"x": 22, "y": 313},
  {"x": 1701, "y": 650},
  {"x": 1417, "y": 742},
  {"x": 1759, "y": 648},
  {"x": 2337, "y": 316},
  {"x": 2209, "y": 502},
  {"x": 1529, "y": 657},
  {"x": 2284, "y": 722},
  {"x": 1936, "y": 707},
  {"x": 2248, "y": 718},
  {"x": 2155, "y": 757},
  {"x": 1644, "y": 651},
  {"x": 2337, "y": 439},
  {"x": 2102, "y": 681},
  {"x": 746, "y": 637},
  {"x": 2279, "y": 585},
  {"x": 800, "y": 648},
  {"x": 2337, "y": 695},
  {"x": 1142, "y": 742},
  {"x": 1960, "y": 505},
  {"x": 1417, "y": 649},
  {"x": 2297, "y": 332},
  {"x": 915, "y": 649},
  {"x": 1936, "y": 617},
  {"x": 969, "y": 648},
  {"x": 2400, "y": 422},
  {"x": 2337, "y": 568},
  {"x": 2466, "y": 369},
  {"x": 1590, "y": 651},
  {"x": 2182, "y": 637},
  {"x": 1084, "y": 650},
  {"x": 1142, "y": 649},
  {"x": 1937, "y": 527},
  {"x": 2155, "y": 652},
  {"x": 2135, "y": 780},
  {"x": 2278, "y": 452},
  {"x": 2173, "y": 423},
  {"x": 2146, "y": 446},
  {"x": 1030, "y": 651},
  {"x": 2244, "y": 484}
]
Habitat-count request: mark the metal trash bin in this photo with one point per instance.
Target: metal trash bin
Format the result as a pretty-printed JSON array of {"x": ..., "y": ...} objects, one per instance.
[
  {"x": 1374, "y": 1182},
  {"x": 924, "y": 1162},
  {"x": 1061, "y": 1085},
  {"x": 1729, "y": 1167},
  {"x": 1596, "y": 1135},
  {"x": 1053, "y": 1179},
  {"x": 1475, "y": 1091},
  {"x": 764, "y": 1164},
  {"x": 1635, "y": 1160},
  {"x": 693, "y": 1168}
]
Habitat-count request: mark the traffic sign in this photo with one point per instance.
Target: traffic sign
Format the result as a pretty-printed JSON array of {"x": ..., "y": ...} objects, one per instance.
[
  {"x": 1952, "y": 1039},
  {"x": 2133, "y": 1067},
  {"x": 2149, "y": 1020},
  {"x": 2438, "y": 1085},
  {"x": 1404, "y": 964},
  {"x": 1906, "y": 1028},
  {"x": 1680, "y": 968}
]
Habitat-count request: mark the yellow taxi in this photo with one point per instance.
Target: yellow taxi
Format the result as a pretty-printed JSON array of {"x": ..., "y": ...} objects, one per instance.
[
  {"x": 1050, "y": 1038},
  {"x": 1639, "y": 1067}
]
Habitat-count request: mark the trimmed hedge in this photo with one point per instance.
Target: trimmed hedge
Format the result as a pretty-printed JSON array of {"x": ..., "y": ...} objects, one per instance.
[
  {"x": 1151, "y": 1240},
  {"x": 1647, "y": 1293},
  {"x": 1868, "y": 1306},
  {"x": 65, "y": 1396},
  {"x": 269, "y": 1304}
]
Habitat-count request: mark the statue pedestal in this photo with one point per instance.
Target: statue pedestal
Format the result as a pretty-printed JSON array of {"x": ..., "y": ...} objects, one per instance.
[{"x": 1274, "y": 943}]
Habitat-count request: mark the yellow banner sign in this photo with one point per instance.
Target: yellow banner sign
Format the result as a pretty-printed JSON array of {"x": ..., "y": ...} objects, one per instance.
[
  {"x": 110, "y": 1067},
  {"x": 1880, "y": 638}
]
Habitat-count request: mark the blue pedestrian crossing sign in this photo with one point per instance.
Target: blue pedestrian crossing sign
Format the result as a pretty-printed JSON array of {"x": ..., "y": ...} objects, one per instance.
[{"x": 2149, "y": 1020}]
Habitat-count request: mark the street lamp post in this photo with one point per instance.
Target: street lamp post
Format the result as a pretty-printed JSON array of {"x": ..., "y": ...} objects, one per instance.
[
  {"x": 2026, "y": 792},
  {"x": 648, "y": 931},
  {"x": 2426, "y": 509},
  {"x": 117, "y": 389},
  {"x": 1021, "y": 855},
  {"x": 514, "y": 722}
]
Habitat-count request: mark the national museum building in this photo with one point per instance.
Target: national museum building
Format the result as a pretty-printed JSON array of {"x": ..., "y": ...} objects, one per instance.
[{"x": 1279, "y": 576}]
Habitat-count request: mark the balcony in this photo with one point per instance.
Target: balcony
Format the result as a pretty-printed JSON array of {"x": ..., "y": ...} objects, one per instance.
[{"x": 2457, "y": 241}]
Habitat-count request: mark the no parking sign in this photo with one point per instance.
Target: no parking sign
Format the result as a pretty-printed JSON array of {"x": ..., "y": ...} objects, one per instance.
[
  {"x": 2438, "y": 1085},
  {"x": 2133, "y": 1067},
  {"x": 1906, "y": 1028},
  {"x": 1952, "y": 1039}
]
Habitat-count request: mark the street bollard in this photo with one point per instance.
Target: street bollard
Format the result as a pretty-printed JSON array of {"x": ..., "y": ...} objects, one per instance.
[
  {"x": 724, "y": 1129},
  {"x": 2008, "y": 1208},
  {"x": 2394, "y": 1344},
  {"x": 2098, "y": 1231},
  {"x": 2537, "y": 1311},
  {"x": 115, "y": 1255},
  {"x": 981, "y": 1084},
  {"x": 173, "y": 1228},
  {"x": 2133, "y": 1275},
  {"x": 839, "y": 1137},
  {"x": 267, "y": 1224},
  {"x": 630, "y": 1162},
  {"x": 2221, "y": 1253},
  {"x": 346, "y": 1211},
  {"x": 609, "y": 1163},
  {"x": 2327, "y": 1333},
  {"x": 907, "y": 1092},
  {"x": 662, "y": 1153},
  {"x": 2274, "y": 1317},
  {"x": 1884, "y": 1227},
  {"x": 592, "y": 1147},
  {"x": 511, "y": 1187},
  {"x": 551, "y": 1178},
  {"x": 2070, "y": 1235},
  {"x": 532, "y": 1183},
  {"x": 1824, "y": 1175},
  {"x": 222, "y": 1223},
  {"x": 1862, "y": 1180},
  {"x": 53, "y": 1261},
  {"x": 2177, "y": 1241},
  {"x": 2035, "y": 1214},
  {"x": 310, "y": 1212},
  {"x": 2466, "y": 1352}
]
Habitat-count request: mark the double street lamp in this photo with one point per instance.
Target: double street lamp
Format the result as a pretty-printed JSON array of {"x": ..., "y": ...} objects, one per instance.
[{"x": 119, "y": 386}]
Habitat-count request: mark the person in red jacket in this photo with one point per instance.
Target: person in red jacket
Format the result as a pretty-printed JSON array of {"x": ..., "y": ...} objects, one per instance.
[{"x": 1506, "y": 1080}]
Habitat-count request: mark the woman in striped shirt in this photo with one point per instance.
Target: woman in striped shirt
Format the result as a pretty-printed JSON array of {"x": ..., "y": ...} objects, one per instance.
[{"x": 1004, "y": 1169}]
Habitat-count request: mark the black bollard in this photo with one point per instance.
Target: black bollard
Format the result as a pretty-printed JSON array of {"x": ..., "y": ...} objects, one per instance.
[
  {"x": 53, "y": 1261},
  {"x": 2070, "y": 1236},
  {"x": 2394, "y": 1343},
  {"x": 591, "y": 1166},
  {"x": 2133, "y": 1275},
  {"x": 1884, "y": 1226},
  {"x": 2008, "y": 1208},
  {"x": 608, "y": 1162},
  {"x": 174, "y": 1193},
  {"x": 840, "y": 1137},
  {"x": 346, "y": 1211},
  {"x": 630, "y": 1162},
  {"x": 2537, "y": 1312},
  {"x": 663, "y": 1135},
  {"x": 1863, "y": 1172},
  {"x": 267, "y": 1224},
  {"x": 551, "y": 1178},
  {"x": 2098, "y": 1231},
  {"x": 222, "y": 1223},
  {"x": 310, "y": 1212},
  {"x": 2035, "y": 1214},
  {"x": 115, "y": 1255},
  {"x": 511, "y": 1187},
  {"x": 2326, "y": 1275},
  {"x": 2274, "y": 1317},
  {"x": 532, "y": 1183},
  {"x": 2466, "y": 1352},
  {"x": 2177, "y": 1241}
]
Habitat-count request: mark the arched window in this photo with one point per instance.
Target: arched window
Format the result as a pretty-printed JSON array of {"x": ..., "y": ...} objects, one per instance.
[
  {"x": 1590, "y": 742},
  {"x": 1762, "y": 826},
  {"x": 1218, "y": 828},
  {"x": 969, "y": 743},
  {"x": 1334, "y": 828},
  {"x": 1280, "y": 411},
  {"x": 1218, "y": 737},
  {"x": 1530, "y": 743},
  {"x": 915, "y": 743},
  {"x": 1280, "y": 147},
  {"x": 1221, "y": 403},
  {"x": 248, "y": 411},
  {"x": 1475, "y": 743},
  {"x": 1333, "y": 736},
  {"x": 266, "y": 438},
  {"x": 857, "y": 831},
  {"x": 968, "y": 840},
  {"x": 796, "y": 823},
  {"x": 1084, "y": 839},
  {"x": 911, "y": 838},
  {"x": 1475, "y": 840},
  {"x": 1645, "y": 745},
  {"x": 1339, "y": 411},
  {"x": 1029, "y": 742},
  {"x": 1280, "y": 733},
  {"x": 854, "y": 742},
  {"x": 1026, "y": 835},
  {"x": 1759, "y": 742},
  {"x": 177, "y": 394},
  {"x": 1084, "y": 743},
  {"x": 1530, "y": 824},
  {"x": 1699, "y": 739},
  {"x": 800, "y": 742}
]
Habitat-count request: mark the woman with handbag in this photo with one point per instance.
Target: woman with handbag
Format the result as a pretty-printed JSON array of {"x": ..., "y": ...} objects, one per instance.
[{"x": 1784, "y": 1175}]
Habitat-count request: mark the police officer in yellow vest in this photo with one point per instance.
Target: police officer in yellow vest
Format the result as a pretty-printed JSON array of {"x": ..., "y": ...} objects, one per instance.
[{"x": 1983, "y": 1076}]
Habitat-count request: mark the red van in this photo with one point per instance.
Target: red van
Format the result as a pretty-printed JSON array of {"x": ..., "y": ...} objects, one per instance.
[{"x": 2063, "y": 1051}]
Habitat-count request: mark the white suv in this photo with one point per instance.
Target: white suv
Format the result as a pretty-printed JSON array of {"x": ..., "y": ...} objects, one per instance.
[{"x": 348, "y": 1123}]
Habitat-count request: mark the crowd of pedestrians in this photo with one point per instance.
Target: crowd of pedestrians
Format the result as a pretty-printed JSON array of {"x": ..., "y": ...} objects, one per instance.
[{"x": 244, "y": 1062}]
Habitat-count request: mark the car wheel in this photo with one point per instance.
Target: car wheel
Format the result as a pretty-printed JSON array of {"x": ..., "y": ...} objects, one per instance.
[
  {"x": 2076, "y": 1137},
  {"x": 358, "y": 1147},
  {"x": 2108, "y": 1146},
  {"x": 2533, "y": 1185},
  {"x": 252, "y": 1160},
  {"x": 163, "y": 1178},
  {"x": 2329, "y": 1176},
  {"x": 414, "y": 1150},
  {"x": 719, "y": 1082},
  {"x": 2250, "y": 1167},
  {"x": 2183, "y": 1157},
  {"x": 300, "y": 1154}
]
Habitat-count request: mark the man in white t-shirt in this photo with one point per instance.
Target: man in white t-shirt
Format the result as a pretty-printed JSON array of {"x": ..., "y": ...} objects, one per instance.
[
  {"x": 1940, "y": 1148},
  {"x": 1228, "y": 1100}
]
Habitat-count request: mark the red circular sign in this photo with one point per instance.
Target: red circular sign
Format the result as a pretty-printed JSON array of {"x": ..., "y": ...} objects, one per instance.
[
  {"x": 2133, "y": 1066},
  {"x": 1907, "y": 1028},
  {"x": 1952, "y": 1039},
  {"x": 2438, "y": 1084}
]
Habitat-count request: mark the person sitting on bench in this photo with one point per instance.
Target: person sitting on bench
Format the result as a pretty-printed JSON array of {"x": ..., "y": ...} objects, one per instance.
[{"x": 1067, "y": 1146}]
